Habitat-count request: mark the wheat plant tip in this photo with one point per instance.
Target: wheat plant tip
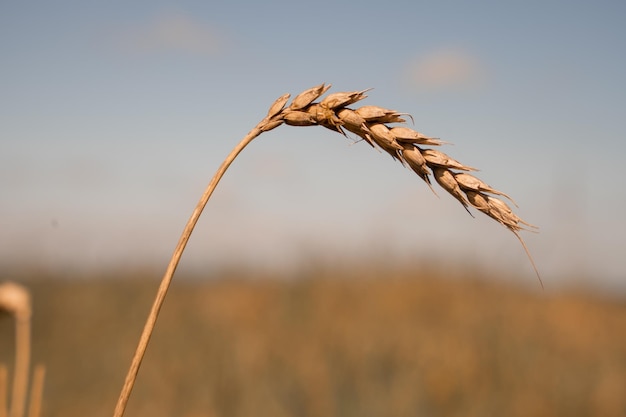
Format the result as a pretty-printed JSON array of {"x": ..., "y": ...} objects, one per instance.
[{"x": 378, "y": 126}]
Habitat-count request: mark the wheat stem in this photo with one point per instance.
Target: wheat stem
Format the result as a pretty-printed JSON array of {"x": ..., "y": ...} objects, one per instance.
[
  {"x": 171, "y": 268},
  {"x": 22, "y": 362},
  {"x": 36, "y": 391},
  {"x": 4, "y": 375}
]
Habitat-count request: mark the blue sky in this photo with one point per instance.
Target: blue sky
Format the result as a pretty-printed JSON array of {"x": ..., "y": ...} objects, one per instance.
[{"x": 114, "y": 116}]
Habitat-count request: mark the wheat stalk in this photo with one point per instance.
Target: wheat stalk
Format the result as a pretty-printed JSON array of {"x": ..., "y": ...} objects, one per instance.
[
  {"x": 36, "y": 391},
  {"x": 371, "y": 124},
  {"x": 15, "y": 300},
  {"x": 4, "y": 377}
]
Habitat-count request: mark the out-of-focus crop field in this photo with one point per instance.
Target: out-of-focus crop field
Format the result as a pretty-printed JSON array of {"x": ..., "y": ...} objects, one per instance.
[{"x": 331, "y": 342}]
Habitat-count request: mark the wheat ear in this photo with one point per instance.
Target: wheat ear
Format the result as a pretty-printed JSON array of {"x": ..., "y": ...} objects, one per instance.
[{"x": 370, "y": 123}]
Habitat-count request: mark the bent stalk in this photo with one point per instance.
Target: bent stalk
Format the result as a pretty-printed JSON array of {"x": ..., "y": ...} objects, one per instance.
[{"x": 372, "y": 124}]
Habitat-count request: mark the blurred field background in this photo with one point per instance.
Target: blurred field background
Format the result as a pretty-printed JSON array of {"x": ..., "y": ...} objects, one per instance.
[
  {"x": 114, "y": 116},
  {"x": 352, "y": 340}
]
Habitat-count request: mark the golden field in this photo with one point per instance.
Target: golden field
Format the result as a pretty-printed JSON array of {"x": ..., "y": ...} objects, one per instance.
[{"x": 364, "y": 341}]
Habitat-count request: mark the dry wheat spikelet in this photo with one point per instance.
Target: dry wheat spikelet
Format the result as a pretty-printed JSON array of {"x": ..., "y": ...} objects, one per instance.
[{"x": 371, "y": 124}]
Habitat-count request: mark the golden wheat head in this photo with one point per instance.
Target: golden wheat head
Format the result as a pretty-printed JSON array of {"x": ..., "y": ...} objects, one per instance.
[{"x": 408, "y": 146}]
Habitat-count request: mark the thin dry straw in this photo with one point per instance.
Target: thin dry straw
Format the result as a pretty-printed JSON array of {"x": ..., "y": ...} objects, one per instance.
[
  {"x": 36, "y": 391},
  {"x": 4, "y": 374},
  {"x": 371, "y": 124}
]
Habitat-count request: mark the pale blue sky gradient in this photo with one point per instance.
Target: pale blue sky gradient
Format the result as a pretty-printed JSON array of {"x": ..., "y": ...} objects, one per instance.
[{"x": 114, "y": 116}]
